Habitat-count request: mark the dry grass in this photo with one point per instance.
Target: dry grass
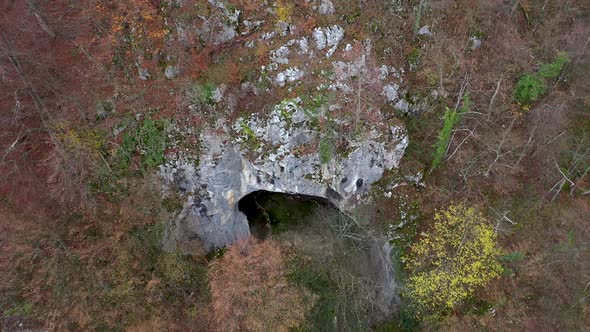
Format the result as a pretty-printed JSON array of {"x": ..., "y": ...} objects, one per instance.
[{"x": 250, "y": 290}]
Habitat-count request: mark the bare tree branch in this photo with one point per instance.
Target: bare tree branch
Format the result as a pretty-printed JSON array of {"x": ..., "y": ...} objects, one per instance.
[
  {"x": 498, "y": 151},
  {"x": 40, "y": 18}
]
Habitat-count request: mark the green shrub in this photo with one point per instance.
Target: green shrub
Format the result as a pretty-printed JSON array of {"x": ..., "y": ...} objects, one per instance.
[
  {"x": 152, "y": 141},
  {"x": 201, "y": 95},
  {"x": 553, "y": 69},
  {"x": 149, "y": 139},
  {"x": 126, "y": 150},
  {"x": 511, "y": 257},
  {"x": 414, "y": 58},
  {"x": 444, "y": 136},
  {"x": 452, "y": 117},
  {"x": 21, "y": 310},
  {"x": 529, "y": 88}
]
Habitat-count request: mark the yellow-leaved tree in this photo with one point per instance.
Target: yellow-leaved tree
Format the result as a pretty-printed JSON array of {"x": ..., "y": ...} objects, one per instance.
[{"x": 452, "y": 260}]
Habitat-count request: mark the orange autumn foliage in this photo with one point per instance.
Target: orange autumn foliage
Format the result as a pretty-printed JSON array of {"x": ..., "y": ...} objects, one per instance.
[{"x": 250, "y": 290}]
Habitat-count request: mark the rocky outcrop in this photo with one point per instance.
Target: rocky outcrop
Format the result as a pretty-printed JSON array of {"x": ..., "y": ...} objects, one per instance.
[
  {"x": 332, "y": 138},
  {"x": 325, "y": 144},
  {"x": 261, "y": 154}
]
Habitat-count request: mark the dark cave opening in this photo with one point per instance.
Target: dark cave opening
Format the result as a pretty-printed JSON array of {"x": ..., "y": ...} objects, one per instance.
[{"x": 274, "y": 212}]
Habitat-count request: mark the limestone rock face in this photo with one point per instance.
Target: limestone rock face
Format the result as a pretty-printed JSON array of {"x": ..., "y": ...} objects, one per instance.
[
  {"x": 333, "y": 142},
  {"x": 330, "y": 131},
  {"x": 263, "y": 154}
]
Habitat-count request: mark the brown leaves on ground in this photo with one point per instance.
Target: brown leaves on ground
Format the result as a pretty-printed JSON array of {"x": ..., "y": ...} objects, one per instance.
[{"x": 250, "y": 290}]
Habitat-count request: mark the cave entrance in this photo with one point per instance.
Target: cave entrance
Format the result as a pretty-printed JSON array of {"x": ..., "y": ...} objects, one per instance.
[{"x": 273, "y": 212}]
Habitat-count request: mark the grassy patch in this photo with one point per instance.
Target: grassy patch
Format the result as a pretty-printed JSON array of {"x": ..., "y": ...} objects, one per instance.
[
  {"x": 173, "y": 203},
  {"x": 143, "y": 271},
  {"x": 24, "y": 309},
  {"x": 146, "y": 142},
  {"x": 414, "y": 58},
  {"x": 326, "y": 149},
  {"x": 152, "y": 142}
]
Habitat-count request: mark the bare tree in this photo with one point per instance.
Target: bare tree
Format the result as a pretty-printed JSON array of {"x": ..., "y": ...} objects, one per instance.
[{"x": 40, "y": 18}]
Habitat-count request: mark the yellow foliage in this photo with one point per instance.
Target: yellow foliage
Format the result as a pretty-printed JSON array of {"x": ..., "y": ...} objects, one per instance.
[
  {"x": 284, "y": 11},
  {"x": 86, "y": 140},
  {"x": 450, "y": 262}
]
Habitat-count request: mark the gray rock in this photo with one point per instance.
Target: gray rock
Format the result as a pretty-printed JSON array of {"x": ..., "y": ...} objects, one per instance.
[
  {"x": 227, "y": 172},
  {"x": 280, "y": 55},
  {"x": 390, "y": 91},
  {"x": 383, "y": 275},
  {"x": 474, "y": 42},
  {"x": 328, "y": 37},
  {"x": 223, "y": 33},
  {"x": 144, "y": 74},
  {"x": 326, "y": 8},
  {"x": 403, "y": 106},
  {"x": 289, "y": 75},
  {"x": 171, "y": 72},
  {"x": 219, "y": 29},
  {"x": 425, "y": 31}
]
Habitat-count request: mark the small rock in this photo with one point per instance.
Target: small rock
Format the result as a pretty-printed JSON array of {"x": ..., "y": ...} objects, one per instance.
[
  {"x": 402, "y": 105},
  {"x": 474, "y": 42},
  {"x": 171, "y": 72},
  {"x": 284, "y": 27},
  {"x": 280, "y": 55},
  {"x": 144, "y": 74},
  {"x": 416, "y": 179},
  {"x": 268, "y": 35},
  {"x": 383, "y": 72},
  {"x": 328, "y": 37},
  {"x": 390, "y": 91},
  {"x": 303, "y": 45},
  {"x": 218, "y": 94},
  {"x": 326, "y": 7},
  {"x": 289, "y": 75},
  {"x": 425, "y": 31}
]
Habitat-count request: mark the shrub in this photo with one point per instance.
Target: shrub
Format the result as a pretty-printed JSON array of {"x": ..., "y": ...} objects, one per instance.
[
  {"x": 444, "y": 136},
  {"x": 552, "y": 70},
  {"x": 448, "y": 264},
  {"x": 21, "y": 310},
  {"x": 529, "y": 88},
  {"x": 149, "y": 138},
  {"x": 452, "y": 117},
  {"x": 201, "y": 95},
  {"x": 284, "y": 11},
  {"x": 152, "y": 141},
  {"x": 250, "y": 290}
]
